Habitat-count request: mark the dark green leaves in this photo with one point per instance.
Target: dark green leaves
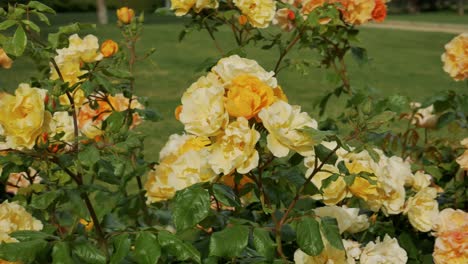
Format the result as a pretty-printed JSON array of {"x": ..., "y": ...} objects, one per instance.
[
  {"x": 225, "y": 195},
  {"x": 17, "y": 43},
  {"x": 121, "y": 248},
  {"x": 308, "y": 236},
  {"x": 26, "y": 251},
  {"x": 61, "y": 254},
  {"x": 331, "y": 232},
  {"x": 263, "y": 243},
  {"x": 229, "y": 242},
  {"x": 325, "y": 155},
  {"x": 176, "y": 247},
  {"x": 88, "y": 253},
  {"x": 191, "y": 205},
  {"x": 147, "y": 248}
]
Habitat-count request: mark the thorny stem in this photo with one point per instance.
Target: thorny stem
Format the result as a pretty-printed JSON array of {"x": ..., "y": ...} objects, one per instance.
[
  {"x": 286, "y": 51},
  {"x": 210, "y": 32},
  {"x": 283, "y": 219}
]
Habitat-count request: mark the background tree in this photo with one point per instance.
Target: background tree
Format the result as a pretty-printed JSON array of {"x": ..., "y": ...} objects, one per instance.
[{"x": 101, "y": 9}]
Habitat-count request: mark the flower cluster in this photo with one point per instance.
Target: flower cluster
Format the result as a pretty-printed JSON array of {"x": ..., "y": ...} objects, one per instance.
[
  {"x": 220, "y": 113},
  {"x": 455, "y": 58}
]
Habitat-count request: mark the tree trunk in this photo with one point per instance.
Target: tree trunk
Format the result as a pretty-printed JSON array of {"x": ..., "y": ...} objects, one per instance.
[
  {"x": 413, "y": 6},
  {"x": 461, "y": 7},
  {"x": 101, "y": 11}
]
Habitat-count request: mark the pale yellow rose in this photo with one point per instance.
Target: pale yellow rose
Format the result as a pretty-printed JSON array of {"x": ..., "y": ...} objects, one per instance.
[
  {"x": 182, "y": 7},
  {"x": 353, "y": 250},
  {"x": 64, "y": 124},
  {"x": 451, "y": 245},
  {"x": 13, "y": 217},
  {"x": 203, "y": 112},
  {"x": 335, "y": 192},
  {"x": 421, "y": 180},
  {"x": 23, "y": 116},
  {"x": 5, "y": 61},
  {"x": 463, "y": 159},
  {"x": 87, "y": 48},
  {"x": 357, "y": 12},
  {"x": 283, "y": 19},
  {"x": 455, "y": 58},
  {"x": 424, "y": 117},
  {"x": 422, "y": 209},
  {"x": 348, "y": 219},
  {"x": 227, "y": 69},
  {"x": 259, "y": 12},
  {"x": 247, "y": 95},
  {"x": 21, "y": 180},
  {"x": 386, "y": 251},
  {"x": 285, "y": 124},
  {"x": 179, "y": 168},
  {"x": 235, "y": 149}
]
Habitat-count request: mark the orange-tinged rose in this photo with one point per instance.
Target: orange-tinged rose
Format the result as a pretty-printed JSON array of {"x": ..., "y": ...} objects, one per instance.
[
  {"x": 455, "y": 58},
  {"x": 177, "y": 111},
  {"x": 247, "y": 95},
  {"x": 357, "y": 12},
  {"x": 88, "y": 225},
  {"x": 125, "y": 15},
  {"x": 311, "y": 5},
  {"x": 451, "y": 245},
  {"x": 380, "y": 11},
  {"x": 109, "y": 48},
  {"x": 5, "y": 61}
]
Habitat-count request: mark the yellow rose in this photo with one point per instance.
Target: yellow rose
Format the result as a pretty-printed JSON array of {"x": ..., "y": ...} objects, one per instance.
[
  {"x": 23, "y": 116},
  {"x": 348, "y": 219},
  {"x": 235, "y": 149},
  {"x": 422, "y": 209},
  {"x": 259, "y": 12},
  {"x": 15, "y": 218},
  {"x": 125, "y": 15},
  {"x": 182, "y": 7},
  {"x": 335, "y": 192},
  {"x": 64, "y": 124},
  {"x": 451, "y": 245},
  {"x": 386, "y": 251},
  {"x": 5, "y": 61},
  {"x": 357, "y": 12},
  {"x": 421, "y": 180},
  {"x": 109, "y": 48},
  {"x": 87, "y": 48},
  {"x": 455, "y": 58},
  {"x": 285, "y": 124},
  {"x": 183, "y": 162},
  {"x": 247, "y": 95},
  {"x": 463, "y": 159},
  {"x": 310, "y": 5},
  {"x": 227, "y": 69},
  {"x": 203, "y": 112},
  {"x": 353, "y": 250}
]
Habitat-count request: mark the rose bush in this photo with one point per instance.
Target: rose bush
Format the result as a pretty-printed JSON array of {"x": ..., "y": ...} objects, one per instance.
[{"x": 252, "y": 178}]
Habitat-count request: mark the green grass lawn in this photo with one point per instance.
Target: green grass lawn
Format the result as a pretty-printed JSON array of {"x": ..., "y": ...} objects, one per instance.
[
  {"x": 432, "y": 17},
  {"x": 402, "y": 62}
]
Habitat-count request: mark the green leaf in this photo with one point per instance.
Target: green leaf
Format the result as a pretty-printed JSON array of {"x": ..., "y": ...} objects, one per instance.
[
  {"x": 331, "y": 232},
  {"x": 61, "y": 253},
  {"x": 40, "y": 7},
  {"x": 178, "y": 248},
  {"x": 18, "y": 42},
  {"x": 31, "y": 25},
  {"x": 407, "y": 243},
  {"x": 42, "y": 17},
  {"x": 263, "y": 243},
  {"x": 119, "y": 73},
  {"x": 23, "y": 251},
  {"x": 360, "y": 55},
  {"x": 44, "y": 200},
  {"x": 121, "y": 248},
  {"x": 296, "y": 159},
  {"x": 446, "y": 119},
  {"x": 88, "y": 253},
  {"x": 229, "y": 242},
  {"x": 383, "y": 117},
  {"x": 114, "y": 122},
  {"x": 308, "y": 236},
  {"x": 147, "y": 248},
  {"x": 7, "y": 24},
  {"x": 191, "y": 206},
  {"x": 89, "y": 156},
  {"x": 225, "y": 195},
  {"x": 28, "y": 235},
  {"x": 316, "y": 135},
  {"x": 323, "y": 152}
]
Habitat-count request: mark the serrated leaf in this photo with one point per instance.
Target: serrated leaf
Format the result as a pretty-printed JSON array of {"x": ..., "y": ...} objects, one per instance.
[
  {"x": 263, "y": 243},
  {"x": 119, "y": 73},
  {"x": 147, "y": 248},
  {"x": 114, "y": 122},
  {"x": 331, "y": 232},
  {"x": 28, "y": 235},
  {"x": 31, "y": 25},
  {"x": 25, "y": 251},
  {"x": 191, "y": 206},
  {"x": 229, "y": 242},
  {"x": 40, "y": 7},
  {"x": 225, "y": 195},
  {"x": 323, "y": 152},
  {"x": 121, "y": 248},
  {"x": 7, "y": 24},
  {"x": 44, "y": 200},
  {"x": 176, "y": 247},
  {"x": 61, "y": 254},
  {"x": 88, "y": 253},
  {"x": 17, "y": 43},
  {"x": 308, "y": 236},
  {"x": 89, "y": 156}
]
